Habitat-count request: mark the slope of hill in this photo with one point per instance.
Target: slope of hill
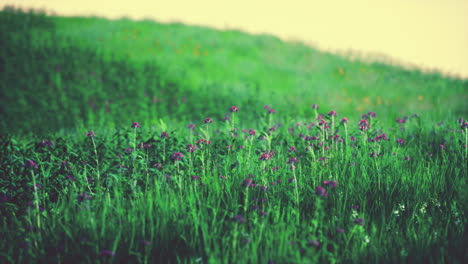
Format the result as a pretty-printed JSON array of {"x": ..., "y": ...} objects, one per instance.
[{"x": 72, "y": 71}]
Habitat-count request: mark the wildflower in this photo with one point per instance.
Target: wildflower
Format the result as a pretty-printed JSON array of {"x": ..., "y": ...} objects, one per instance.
[
  {"x": 292, "y": 161},
  {"x": 164, "y": 135},
  {"x": 252, "y": 132},
  {"x": 238, "y": 218},
  {"x": 30, "y": 164},
  {"x": 106, "y": 253},
  {"x": 332, "y": 113},
  {"x": 464, "y": 125},
  {"x": 363, "y": 125},
  {"x": 190, "y": 148},
  {"x": 202, "y": 141},
  {"x": 158, "y": 166},
  {"x": 331, "y": 184},
  {"x": 267, "y": 156},
  {"x": 191, "y": 126},
  {"x": 371, "y": 114},
  {"x": 3, "y": 197},
  {"x": 65, "y": 165},
  {"x": 381, "y": 137},
  {"x": 292, "y": 149},
  {"x": 340, "y": 230},
  {"x": 128, "y": 150},
  {"x": 91, "y": 134},
  {"x": 47, "y": 143},
  {"x": 313, "y": 243},
  {"x": 145, "y": 242},
  {"x": 271, "y": 111},
  {"x": 344, "y": 120},
  {"x": 208, "y": 120},
  {"x": 135, "y": 125},
  {"x": 143, "y": 146},
  {"x": 320, "y": 191},
  {"x": 315, "y": 106},
  {"x": 322, "y": 159},
  {"x": 400, "y": 141},
  {"x": 359, "y": 221},
  {"x": 70, "y": 178},
  {"x": 234, "y": 109},
  {"x": 247, "y": 182},
  {"x": 83, "y": 197},
  {"x": 264, "y": 156},
  {"x": 401, "y": 121},
  {"x": 408, "y": 158},
  {"x": 195, "y": 178},
  {"x": 177, "y": 156}
]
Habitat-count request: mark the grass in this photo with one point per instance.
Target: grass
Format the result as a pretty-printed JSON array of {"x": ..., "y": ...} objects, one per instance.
[{"x": 81, "y": 182}]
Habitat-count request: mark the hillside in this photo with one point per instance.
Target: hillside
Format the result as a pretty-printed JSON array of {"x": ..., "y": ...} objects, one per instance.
[{"x": 89, "y": 71}]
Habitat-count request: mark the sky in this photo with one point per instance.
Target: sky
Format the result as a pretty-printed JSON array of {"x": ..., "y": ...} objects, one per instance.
[{"x": 428, "y": 34}]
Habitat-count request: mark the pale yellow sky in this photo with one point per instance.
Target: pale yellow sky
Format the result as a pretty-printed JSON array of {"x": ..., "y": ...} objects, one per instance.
[{"x": 430, "y": 34}]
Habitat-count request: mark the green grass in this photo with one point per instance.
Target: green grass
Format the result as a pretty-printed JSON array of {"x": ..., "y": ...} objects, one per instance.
[{"x": 91, "y": 197}]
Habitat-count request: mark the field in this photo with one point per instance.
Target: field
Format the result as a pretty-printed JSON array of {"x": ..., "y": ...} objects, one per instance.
[{"x": 140, "y": 142}]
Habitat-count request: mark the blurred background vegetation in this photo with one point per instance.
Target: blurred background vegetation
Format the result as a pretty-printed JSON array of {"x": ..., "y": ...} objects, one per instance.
[{"x": 73, "y": 72}]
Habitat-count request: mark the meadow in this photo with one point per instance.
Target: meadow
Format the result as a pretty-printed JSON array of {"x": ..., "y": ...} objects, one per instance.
[{"x": 140, "y": 142}]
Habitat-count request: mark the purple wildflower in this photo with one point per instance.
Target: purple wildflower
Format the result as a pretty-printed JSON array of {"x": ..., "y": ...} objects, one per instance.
[
  {"x": 332, "y": 113},
  {"x": 191, "y": 126},
  {"x": 401, "y": 121},
  {"x": 234, "y": 109},
  {"x": 91, "y": 134},
  {"x": 359, "y": 221},
  {"x": 47, "y": 143},
  {"x": 30, "y": 164},
  {"x": 177, "y": 156},
  {"x": 190, "y": 148},
  {"x": 344, "y": 120},
  {"x": 320, "y": 191},
  {"x": 313, "y": 243},
  {"x": 315, "y": 106},
  {"x": 202, "y": 141},
  {"x": 83, "y": 197},
  {"x": 247, "y": 182},
  {"x": 238, "y": 218},
  {"x": 331, "y": 184},
  {"x": 106, "y": 253},
  {"x": 208, "y": 120},
  {"x": 363, "y": 125},
  {"x": 292, "y": 161},
  {"x": 164, "y": 135},
  {"x": 372, "y": 114},
  {"x": 135, "y": 125},
  {"x": 3, "y": 197}
]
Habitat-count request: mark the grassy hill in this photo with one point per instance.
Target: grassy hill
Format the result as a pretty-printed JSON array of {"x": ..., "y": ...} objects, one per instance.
[
  {"x": 91, "y": 71},
  {"x": 98, "y": 162}
]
